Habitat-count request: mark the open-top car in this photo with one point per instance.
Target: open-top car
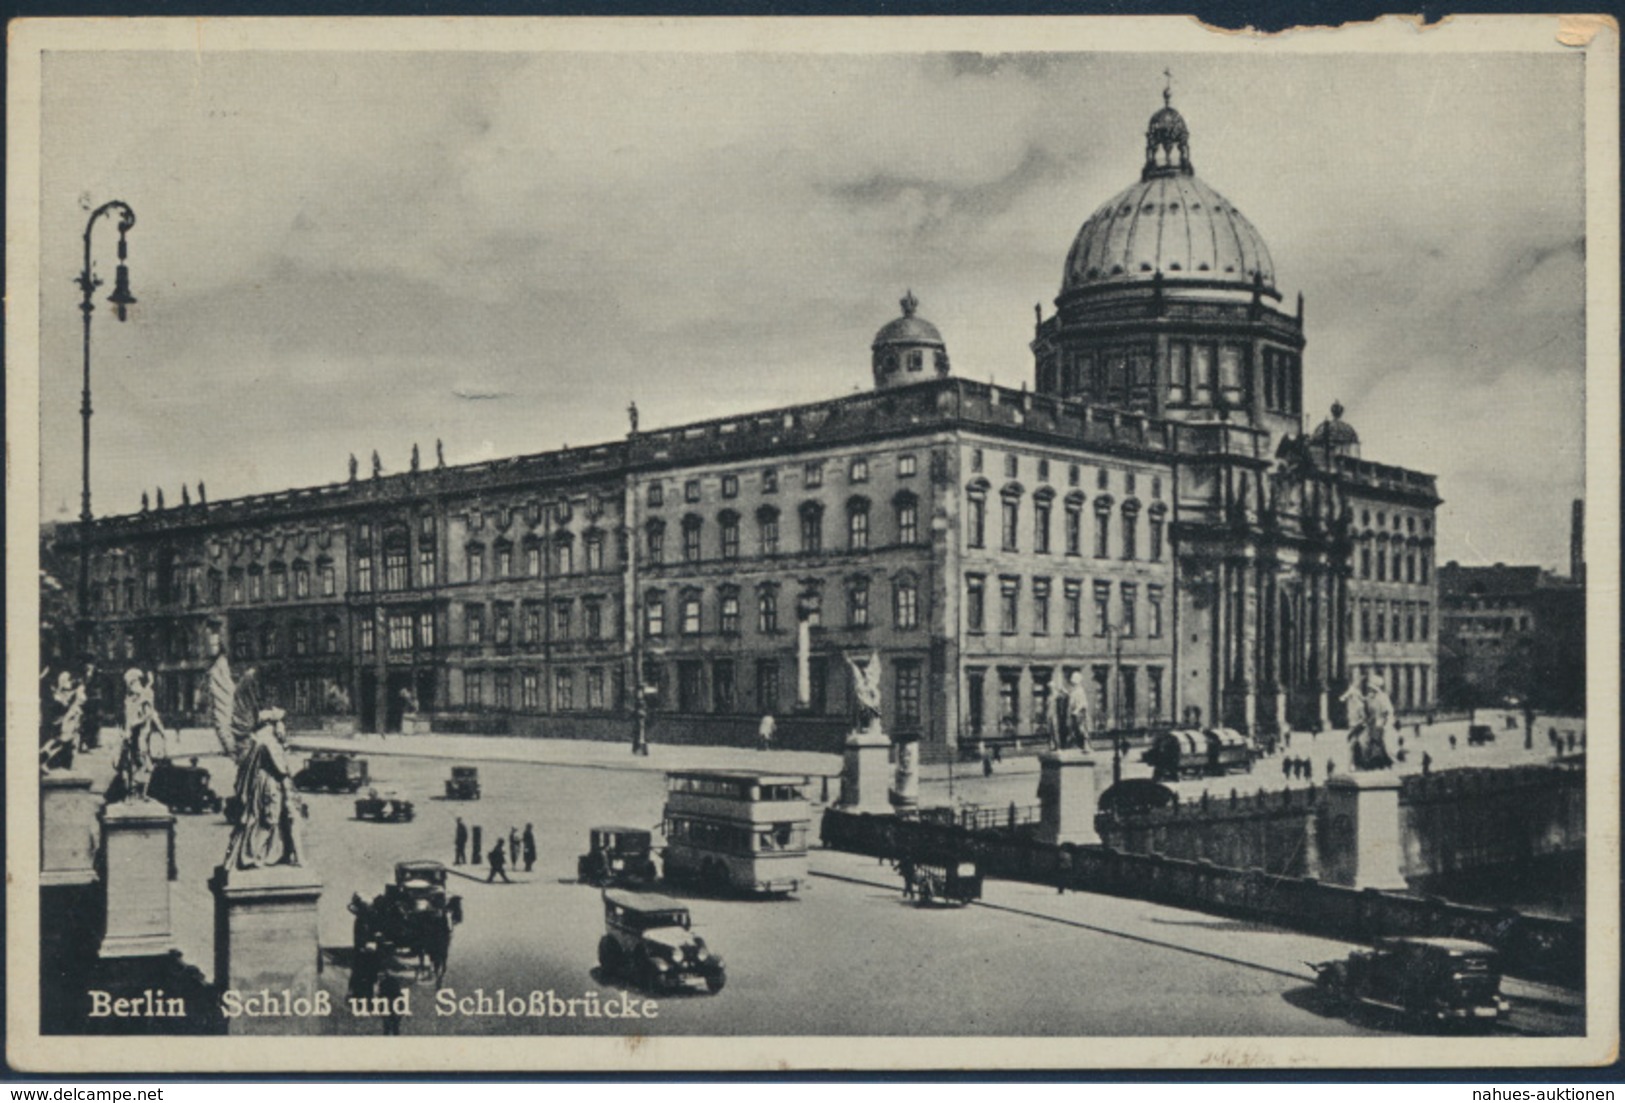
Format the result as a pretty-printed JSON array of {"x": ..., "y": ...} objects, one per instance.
[
  {"x": 617, "y": 856},
  {"x": 384, "y": 807},
  {"x": 1430, "y": 980},
  {"x": 650, "y": 939},
  {"x": 182, "y": 787},
  {"x": 412, "y": 918},
  {"x": 331, "y": 772},
  {"x": 464, "y": 783}
]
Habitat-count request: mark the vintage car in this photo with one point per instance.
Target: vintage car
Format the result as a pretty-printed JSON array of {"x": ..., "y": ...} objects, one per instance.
[
  {"x": 1430, "y": 980},
  {"x": 182, "y": 788},
  {"x": 412, "y": 919},
  {"x": 650, "y": 940},
  {"x": 331, "y": 772},
  {"x": 617, "y": 856},
  {"x": 946, "y": 882},
  {"x": 1479, "y": 734},
  {"x": 384, "y": 807},
  {"x": 464, "y": 783}
]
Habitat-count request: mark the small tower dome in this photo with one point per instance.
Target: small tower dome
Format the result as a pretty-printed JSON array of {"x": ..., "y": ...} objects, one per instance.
[
  {"x": 1336, "y": 435},
  {"x": 908, "y": 349}
]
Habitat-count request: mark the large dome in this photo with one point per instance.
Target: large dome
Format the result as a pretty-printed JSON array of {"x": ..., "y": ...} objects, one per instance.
[{"x": 1169, "y": 222}]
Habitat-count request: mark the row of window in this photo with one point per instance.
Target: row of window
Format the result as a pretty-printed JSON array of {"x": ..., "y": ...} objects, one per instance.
[
  {"x": 905, "y": 517},
  {"x": 192, "y": 586},
  {"x": 812, "y": 476},
  {"x": 1119, "y": 706},
  {"x": 1072, "y": 529},
  {"x": 692, "y": 619},
  {"x": 599, "y": 689},
  {"x": 598, "y": 621},
  {"x": 562, "y": 561},
  {"x": 1407, "y": 521},
  {"x": 714, "y": 687},
  {"x": 1398, "y": 622},
  {"x": 1405, "y": 564},
  {"x": 1074, "y": 474},
  {"x": 1039, "y": 621}
]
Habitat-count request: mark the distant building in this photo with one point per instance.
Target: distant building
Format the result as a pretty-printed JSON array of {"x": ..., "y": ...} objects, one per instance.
[
  {"x": 1151, "y": 518},
  {"x": 1511, "y": 632}
]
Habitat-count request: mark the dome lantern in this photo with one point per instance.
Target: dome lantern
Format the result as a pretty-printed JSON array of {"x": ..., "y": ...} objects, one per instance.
[
  {"x": 1168, "y": 134},
  {"x": 1336, "y": 435},
  {"x": 908, "y": 349}
]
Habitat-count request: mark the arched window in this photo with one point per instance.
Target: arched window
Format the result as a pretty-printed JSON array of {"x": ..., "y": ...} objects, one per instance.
[
  {"x": 907, "y": 507},
  {"x": 1043, "y": 503},
  {"x": 279, "y": 581},
  {"x": 1131, "y": 528},
  {"x": 857, "y": 601},
  {"x": 767, "y": 608},
  {"x": 1074, "y": 523},
  {"x": 690, "y": 622},
  {"x": 1103, "y": 525},
  {"x": 767, "y": 530},
  {"x": 654, "y": 534},
  {"x": 301, "y": 579},
  {"x": 976, "y": 515},
  {"x": 905, "y": 602},
  {"x": 857, "y": 523},
  {"x": 728, "y": 610},
  {"x": 728, "y": 528},
  {"x": 812, "y": 527},
  {"x": 1157, "y": 518},
  {"x": 1010, "y": 516}
]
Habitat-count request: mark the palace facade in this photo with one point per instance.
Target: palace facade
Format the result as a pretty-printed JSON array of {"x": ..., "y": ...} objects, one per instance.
[{"x": 1151, "y": 517}]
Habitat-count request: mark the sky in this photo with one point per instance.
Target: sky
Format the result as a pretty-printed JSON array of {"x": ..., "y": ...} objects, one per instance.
[{"x": 341, "y": 252}]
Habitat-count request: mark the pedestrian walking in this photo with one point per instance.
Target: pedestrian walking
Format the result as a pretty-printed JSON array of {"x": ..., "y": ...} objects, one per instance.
[
  {"x": 530, "y": 847},
  {"x": 1452, "y": 742},
  {"x": 461, "y": 840},
  {"x": 1308, "y": 770},
  {"x": 1427, "y": 764},
  {"x": 513, "y": 848},
  {"x": 499, "y": 865},
  {"x": 1331, "y": 768},
  {"x": 1286, "y": 767},
  {"x": 478, "y": 848},
  {"x": 765, "y": 732}
]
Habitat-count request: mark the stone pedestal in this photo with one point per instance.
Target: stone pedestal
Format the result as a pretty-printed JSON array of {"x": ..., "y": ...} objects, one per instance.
[
  {"x": 67, "y": 830},
  {"x": 1280, "y": 713},
  {"x": 1249, "y": 712},
  {"x": 138, "y": 839},
  {"x": 864, "y": 771},
  {"x": 1325, "y": 712},
  {"x": 1068, "y": 797},
  {"x": 265, "y": 939},
  {"x": 415, "y": 723},
  {"x": 905, "y": 791},
  {"x": 1361, "y": 846}
]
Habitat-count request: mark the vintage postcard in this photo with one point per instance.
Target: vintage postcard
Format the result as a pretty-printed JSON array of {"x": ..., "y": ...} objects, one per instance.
[{"x": 811, "y": 544}]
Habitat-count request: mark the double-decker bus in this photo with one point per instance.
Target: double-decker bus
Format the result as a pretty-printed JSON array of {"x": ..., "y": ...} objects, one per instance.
[{"x": 742, "y": 829}]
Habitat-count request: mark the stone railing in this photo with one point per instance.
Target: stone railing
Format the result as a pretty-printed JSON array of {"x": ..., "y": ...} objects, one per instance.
[{"x": 1531, "y": 946}]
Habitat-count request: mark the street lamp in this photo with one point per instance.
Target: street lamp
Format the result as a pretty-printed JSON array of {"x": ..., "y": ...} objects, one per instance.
[{"x": 122, "y": 300}]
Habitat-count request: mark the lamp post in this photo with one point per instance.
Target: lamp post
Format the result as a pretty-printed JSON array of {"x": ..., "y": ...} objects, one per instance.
[{"x": 121, "y": 300}]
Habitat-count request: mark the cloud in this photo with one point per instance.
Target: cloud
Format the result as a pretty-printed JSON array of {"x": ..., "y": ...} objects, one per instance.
[{"x": 330, "y": 245}]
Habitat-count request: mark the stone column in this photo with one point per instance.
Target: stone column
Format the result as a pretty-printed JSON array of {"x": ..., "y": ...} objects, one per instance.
[
  {"x": 864, "y": 770},
  {"x": 138, "y": 837},
  {"x": 67, "y": 830},
  {"x": 803, "y": 660},
  {"x": 1362, "y": 847},
  {"x": 1068, "y": 796},
  {"x": 265, "y": 938}
]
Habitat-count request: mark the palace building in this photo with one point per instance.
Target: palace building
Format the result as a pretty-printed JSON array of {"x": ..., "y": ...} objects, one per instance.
[{"x": 1151, "y": 517}]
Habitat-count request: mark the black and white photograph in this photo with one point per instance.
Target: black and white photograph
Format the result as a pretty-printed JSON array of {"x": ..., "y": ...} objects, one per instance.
[{"x": 812, "y": 544}]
